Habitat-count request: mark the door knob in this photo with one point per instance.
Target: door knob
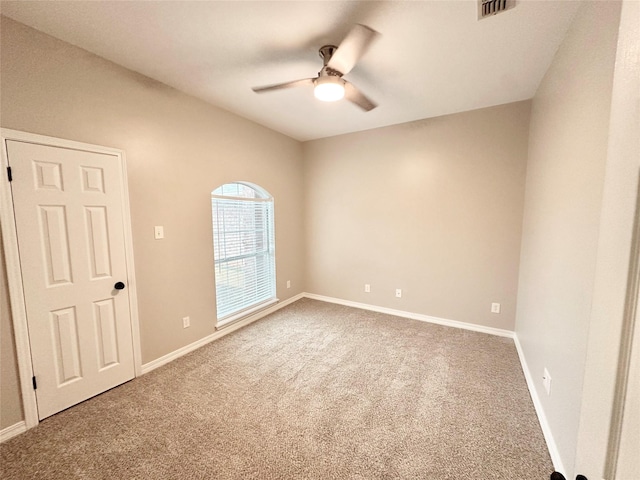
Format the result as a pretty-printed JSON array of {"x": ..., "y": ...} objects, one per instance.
[{"x": 119, "y": 286}]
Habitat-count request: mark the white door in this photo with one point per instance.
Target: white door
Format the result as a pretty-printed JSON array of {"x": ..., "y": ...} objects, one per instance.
[{"x": 69, "y": 218}]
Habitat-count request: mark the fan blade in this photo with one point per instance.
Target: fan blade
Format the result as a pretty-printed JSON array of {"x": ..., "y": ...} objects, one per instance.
[
  {"x": 279, "y": 86},
  {"x": 355, "y": 44},
  {"x": 354, "y": 95}
]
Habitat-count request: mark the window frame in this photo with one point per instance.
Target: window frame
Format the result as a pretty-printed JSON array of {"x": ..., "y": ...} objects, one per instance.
[{"x": 264, "y": 226}]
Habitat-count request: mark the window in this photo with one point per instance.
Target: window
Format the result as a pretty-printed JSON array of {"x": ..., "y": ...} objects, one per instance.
[{"x": 244, "y": 250}]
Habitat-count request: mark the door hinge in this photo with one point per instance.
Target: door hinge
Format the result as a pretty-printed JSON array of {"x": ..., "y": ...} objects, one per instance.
[
  {"x": 9, "y": 174},
  {"x": 35, "y": 384}
]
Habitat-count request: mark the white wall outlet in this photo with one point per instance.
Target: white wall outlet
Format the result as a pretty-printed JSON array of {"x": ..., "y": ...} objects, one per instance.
[
  {"x": 288, "y": 283},
  {"x": 495, "y": 308},
  {"x": 186, "y": 322},
  {"x": 158, "y": 232},
  {"x": 546, "y": 381},
  {"x": 398, "y": 293},
  {"x": 367, "y": 288}
]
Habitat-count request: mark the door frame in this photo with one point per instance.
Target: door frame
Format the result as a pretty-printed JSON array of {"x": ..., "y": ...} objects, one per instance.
[
  {"x": 629, "y": 341},
  {"x": 14, "y": 271}
]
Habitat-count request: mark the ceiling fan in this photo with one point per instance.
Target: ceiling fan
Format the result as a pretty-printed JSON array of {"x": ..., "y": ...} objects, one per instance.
[{"x": 329, "y": 85}]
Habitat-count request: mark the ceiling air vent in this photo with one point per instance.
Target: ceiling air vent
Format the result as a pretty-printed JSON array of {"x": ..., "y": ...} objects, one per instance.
[{"x": 488, "y": 8}]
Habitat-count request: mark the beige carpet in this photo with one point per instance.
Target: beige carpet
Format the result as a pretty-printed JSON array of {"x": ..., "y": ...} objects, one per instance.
[{"x": 314, "y": 391}]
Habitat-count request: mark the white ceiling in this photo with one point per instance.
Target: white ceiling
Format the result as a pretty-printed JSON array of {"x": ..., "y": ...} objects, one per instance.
[{"x": 432, "y": 57}]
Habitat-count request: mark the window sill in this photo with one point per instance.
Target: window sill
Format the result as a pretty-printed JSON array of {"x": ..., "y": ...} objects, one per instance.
[{"x": 245, "y": 313}]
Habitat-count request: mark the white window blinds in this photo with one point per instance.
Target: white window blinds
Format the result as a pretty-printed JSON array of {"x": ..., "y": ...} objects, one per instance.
[{"x": 244, "y": 248}]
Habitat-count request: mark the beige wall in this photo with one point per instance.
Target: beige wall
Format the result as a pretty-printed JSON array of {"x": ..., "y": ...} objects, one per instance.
[
  {"x": 565, "y": 177},
  {"x": 178, "y": 149},
  {"x": 433, "y": 207}
]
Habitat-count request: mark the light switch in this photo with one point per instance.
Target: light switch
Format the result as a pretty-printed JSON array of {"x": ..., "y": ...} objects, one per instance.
[{"x": 158, "y": 232}]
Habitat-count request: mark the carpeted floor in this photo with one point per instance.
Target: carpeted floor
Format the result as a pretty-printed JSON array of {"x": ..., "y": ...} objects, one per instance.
[{"x": 314, "y": 391}]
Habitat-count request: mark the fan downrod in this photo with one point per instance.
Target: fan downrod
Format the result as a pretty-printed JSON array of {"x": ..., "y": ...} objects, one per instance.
[{"x": 326, "y": 52}]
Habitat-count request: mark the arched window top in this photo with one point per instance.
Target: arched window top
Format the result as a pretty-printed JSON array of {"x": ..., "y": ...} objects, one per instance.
[{"x": 241, "y": 190}]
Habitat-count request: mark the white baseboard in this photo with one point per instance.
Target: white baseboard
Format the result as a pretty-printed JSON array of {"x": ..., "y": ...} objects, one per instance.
[
  {"x": 414, "y": 316},
  {"x": 542, "y": 418},
  {"x": 12, "y": 431},
  {"x": 544, "y": 424},
  {"x": 20, "y": 427},
  {"x": 158, "y": 362}
]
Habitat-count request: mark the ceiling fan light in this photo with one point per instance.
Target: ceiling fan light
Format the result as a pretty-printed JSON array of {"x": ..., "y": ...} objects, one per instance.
[{"x": 329, "y": 89}]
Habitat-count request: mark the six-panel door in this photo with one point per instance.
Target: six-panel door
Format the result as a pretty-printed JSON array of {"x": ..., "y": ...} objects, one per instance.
[{"x": 69, "y": 218}]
